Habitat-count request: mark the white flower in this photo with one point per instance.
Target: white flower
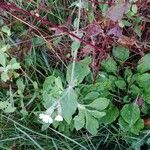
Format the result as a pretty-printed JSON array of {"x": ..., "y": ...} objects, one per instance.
[
  {"x": 59, "y": 118},
  {"x": 46, "y": 118}
]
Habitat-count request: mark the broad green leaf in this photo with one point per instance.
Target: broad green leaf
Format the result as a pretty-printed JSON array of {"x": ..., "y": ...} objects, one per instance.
[
  {"x": 137, "y": 126},
  {"x": 121, "y": 84},
  {"x": 144, "y": 64},
  {"x": 2, "y": 59},
  {"x": 97, "y": 114},
  {"x": 91, "y": 95},
  {"x": 52, "y": 90},
  {"x": 9, "y": 109},
  {"x": 135, "y": 90},
  {"x": 111, "y": 115},
  {"x": 135, "y": 129},
  {"x": 4, "y": 76},
  {"x": 68, "y": 104},
  {"x": 79, "y": 120},
  {"x": 130, "y": 113},
  {"x": 6, "y": 30},
  {"x": 4, "y": 104},
  {"x": 49, "y": 83},
  {"x": 123, "y": 125},
  {"x": 15, "y": 66},
  {"x": 80, "y": 71},
  {"x": 91, "y": 124},
  {"x": 99, "y": 103},
  {"x": 144, "y": 80},
  {"x": 121, "y": 53},
  {"x": 146, "y": 95},
  {"x": 109, "y": 65}
]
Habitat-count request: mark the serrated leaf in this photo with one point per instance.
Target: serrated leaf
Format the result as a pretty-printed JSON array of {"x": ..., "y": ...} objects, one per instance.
[
  {"x": 143, "y": 64},
  {"x": 68, "y": 104},
  {"x": 99, "y": 103},
  {"x": 109, "y": 65},
  {"x": 121, "y": 53},
  {"x": 91, "y": 124},
  {"x": 130, "y": 113},
  {"x": 81, "y": 70},
  {"x": 79, "y": 120}
]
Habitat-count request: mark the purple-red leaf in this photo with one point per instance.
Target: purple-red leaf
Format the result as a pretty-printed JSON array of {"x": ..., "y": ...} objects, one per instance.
[
  {"x": 117, "y": 11},
  {"x": 115, "y": 32}
]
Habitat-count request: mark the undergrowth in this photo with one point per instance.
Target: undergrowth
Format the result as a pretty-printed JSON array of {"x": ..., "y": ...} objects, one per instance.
[{"x": 74, "y": 74}]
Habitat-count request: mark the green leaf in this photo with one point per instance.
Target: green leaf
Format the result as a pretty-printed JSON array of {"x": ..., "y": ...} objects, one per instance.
[
  {"x": 74, "y": 47},
  {"x": 144, "y": 80},
  {"x": 4, "y": 76},
  {"x": 91, "y": 95},
  {"x": 91, "y": 124},
  {"x": 79, "y": 120},
  {"x": 4, "y": 104},
  {"x": 109, "y": 65},
  {"x": 52, "y": 90},
  {"x": 20, "y": 85},
  {"x": 137, "y": 30},
  {"x": 81, "y": 70},
  {"x": 137, "y": 126},
  {"x": 6, "y": 30},
  {"x": 15, "y": 66},
  {"x": 128, "y": 74},
  {"x": 68, "y": 104},
  {"x": 134, "y": 8},
  {"x": 111, "y": 115},
  {"x": 97, "y": 114},
  {"x": 135, "y": 129},
  {"x": 9, "y": 109},
  {"x": 134, "y": 90},
  {"x": 123, "y": 124},
  {"x": 99, "y": 103},
  {"x": 130, "y": 113},
  {"x": 2, "y": 59},
  {"x": 121, "y": 84},
  {"x": 143, "y": 64},
  {"x": 121, "y": 53}
]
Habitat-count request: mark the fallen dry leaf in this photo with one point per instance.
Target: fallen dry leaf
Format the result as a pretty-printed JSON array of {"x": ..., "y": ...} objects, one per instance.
[
  {"x": 126, "y": 41},
  {"x": 147, "y": 122}
]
